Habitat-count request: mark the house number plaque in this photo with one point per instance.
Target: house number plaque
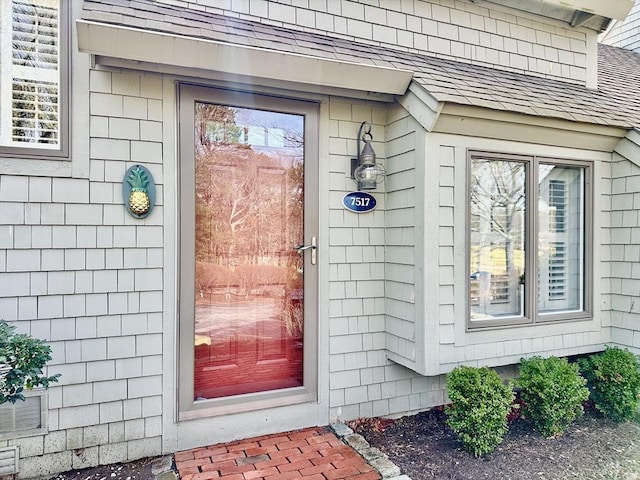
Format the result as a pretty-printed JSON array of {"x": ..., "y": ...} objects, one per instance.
[{"x": 359, "y": 202}]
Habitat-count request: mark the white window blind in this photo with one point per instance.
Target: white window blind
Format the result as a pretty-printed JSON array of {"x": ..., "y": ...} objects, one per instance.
[
  {"x": 30, "y": 73},
  {"x": 557, "y": 271},
  {"x": 558, "y": 202}
]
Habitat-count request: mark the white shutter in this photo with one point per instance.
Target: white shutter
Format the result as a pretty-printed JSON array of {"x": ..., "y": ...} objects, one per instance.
[
  {"x": 557, "y": 271},
  {"x": 35, "y": 38}
]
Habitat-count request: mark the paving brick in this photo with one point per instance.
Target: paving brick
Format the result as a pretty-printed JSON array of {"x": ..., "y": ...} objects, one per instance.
[
  {"x": 242, "y": 446},
  {"x": 192, "y": 463},
  {"x": 273, "y": 440},
  {"x": 233, "y": 469},
  {"x": 184, "y": 470},
  {"x": 284, "y": 476},
  {"x": 235, "y": 476},
  {"x": 328, "y": 458},
  {"x": 206, "y": 476},
  {"x": 340, "y": 473},
  {"x": 221, "y": 457},
  {"x": 255, "y": 474},
  {"x": 286, "y": 453},
  {"x": 343, "y": 450},
  {"x": 216, "y": 449},
  {"x": 261, "y": 450},
  {"x": 271, "y": 463},
  {"x": 209, "y": 467},
  {"x": 317, "y": 447},
  {"x": 252, "y": 459},
  {"x": 199, "y": 453},
  {"x": 304, "y": 434},
  {"x": 356, "y": 462},
  {"x": 325, "y": 467},
  {"x": 305, "y": 456},
  {"x": 326, "y": 437},
  {"x": 292, "y": 444},
  {"x": 324, "y": 458},
  {"x": 365, "y": 476},
  {"x": 316, "y": 476},
  {"x": 295, "y": 465}
]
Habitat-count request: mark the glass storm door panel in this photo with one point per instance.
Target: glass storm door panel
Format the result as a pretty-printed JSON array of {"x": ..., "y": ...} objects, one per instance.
[{"x": 249, "y": 218}]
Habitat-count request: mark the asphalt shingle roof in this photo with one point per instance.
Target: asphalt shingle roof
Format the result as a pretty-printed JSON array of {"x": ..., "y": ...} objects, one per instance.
[{"x": 616, "y": 102}]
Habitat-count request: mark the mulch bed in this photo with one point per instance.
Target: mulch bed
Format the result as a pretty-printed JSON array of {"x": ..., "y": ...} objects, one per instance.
[{"x": 424, "y": 447}]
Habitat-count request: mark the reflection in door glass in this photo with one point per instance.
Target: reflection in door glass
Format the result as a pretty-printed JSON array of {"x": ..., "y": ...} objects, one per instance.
[{"x": 249, "y": 203}]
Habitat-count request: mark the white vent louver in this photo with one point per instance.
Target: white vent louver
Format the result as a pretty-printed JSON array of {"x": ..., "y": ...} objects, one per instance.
[
  {"x": 9, "y": 460},
  {"x": 21, "y": 417}
]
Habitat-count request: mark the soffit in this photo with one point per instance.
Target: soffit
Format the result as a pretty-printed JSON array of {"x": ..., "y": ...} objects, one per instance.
[{"x": 593, "y": 14}]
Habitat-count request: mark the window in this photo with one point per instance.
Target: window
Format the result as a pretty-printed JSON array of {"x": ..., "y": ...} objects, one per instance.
[
  {"x": 528, "y": 239},
  {"x": 34, "y": 78}
]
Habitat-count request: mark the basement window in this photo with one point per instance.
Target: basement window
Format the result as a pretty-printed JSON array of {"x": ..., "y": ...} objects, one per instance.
[{"x": 24, "y": 418}]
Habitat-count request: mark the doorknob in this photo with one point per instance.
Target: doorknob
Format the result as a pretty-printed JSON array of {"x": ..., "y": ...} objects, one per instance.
[{"x": 302, "y": 248}]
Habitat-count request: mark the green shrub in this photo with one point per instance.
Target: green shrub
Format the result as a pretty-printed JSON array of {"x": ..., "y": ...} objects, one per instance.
[
  {"x": 22, "y": 359},
  {"x": 613, "y": 378},
  {"x": 480, "y": 404},
  {"x": 552, "y": 392}
]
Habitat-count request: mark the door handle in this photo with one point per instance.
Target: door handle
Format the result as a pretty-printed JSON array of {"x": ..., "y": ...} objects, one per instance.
[{"x": 313, "y": 247}]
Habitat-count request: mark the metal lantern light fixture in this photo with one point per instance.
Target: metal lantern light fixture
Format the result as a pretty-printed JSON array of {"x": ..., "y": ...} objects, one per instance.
[{"x": 364, "y": 169}]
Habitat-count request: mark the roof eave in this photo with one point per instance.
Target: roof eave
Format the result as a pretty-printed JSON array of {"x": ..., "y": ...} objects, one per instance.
[
  {"x": 514, "y": 126},
  {"x": 117, "y": 41}
]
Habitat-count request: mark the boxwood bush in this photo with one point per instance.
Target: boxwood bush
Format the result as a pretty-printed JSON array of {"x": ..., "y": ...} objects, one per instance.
[
  {"x": 552, "y": 391},
  {"x": 613, "y": 378},
  {"x": 22, "y": 360},
  {"x": 480, "y": 404}
]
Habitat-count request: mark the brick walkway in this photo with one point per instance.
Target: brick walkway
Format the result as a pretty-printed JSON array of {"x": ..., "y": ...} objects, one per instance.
[{"x": 312, "y": 454}]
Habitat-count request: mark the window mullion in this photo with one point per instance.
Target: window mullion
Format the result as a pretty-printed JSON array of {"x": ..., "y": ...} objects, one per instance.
[{"x": 531, "y": 240}]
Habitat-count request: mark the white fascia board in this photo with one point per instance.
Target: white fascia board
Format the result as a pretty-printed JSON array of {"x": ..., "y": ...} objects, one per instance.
[
  {"x": 503, "y": 125},
  {"x": 629, "y": 147},
  {"x": 422, "y": 106},
  {"x": 617, "y": 9},
  {"x": 128, "y": 43}
]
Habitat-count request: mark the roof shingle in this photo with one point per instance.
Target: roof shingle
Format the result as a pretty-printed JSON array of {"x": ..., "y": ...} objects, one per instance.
[{"x": 616, "y": 102}]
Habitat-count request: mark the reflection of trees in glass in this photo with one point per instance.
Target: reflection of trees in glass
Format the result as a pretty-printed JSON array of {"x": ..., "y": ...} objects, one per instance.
[
  {"x": 497, "y": 197},
  {"x": 35, "y": 112},
  {"x": 248, "y": 205},
  {"x": 497, "y": 202}
]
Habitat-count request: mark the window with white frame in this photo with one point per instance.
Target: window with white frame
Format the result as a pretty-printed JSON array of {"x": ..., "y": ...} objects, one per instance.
[
  {"x": 33, "y": 78},
  {"x": 528, "y": 239}
]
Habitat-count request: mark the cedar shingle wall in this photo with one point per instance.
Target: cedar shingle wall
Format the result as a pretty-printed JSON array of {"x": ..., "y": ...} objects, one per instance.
[
  {"x": 465, "y": 31},
  {"x": 623, "y": 281}
]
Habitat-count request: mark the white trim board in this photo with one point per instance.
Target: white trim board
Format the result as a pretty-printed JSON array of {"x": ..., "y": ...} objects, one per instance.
[{"x": 116, "y": 41}]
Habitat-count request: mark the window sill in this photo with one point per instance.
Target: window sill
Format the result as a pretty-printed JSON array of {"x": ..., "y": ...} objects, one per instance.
[{"x": 519, "y": 322}]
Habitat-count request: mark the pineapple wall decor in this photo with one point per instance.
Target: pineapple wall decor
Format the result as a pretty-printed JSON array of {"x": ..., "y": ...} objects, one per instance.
[{"x": 138, "y": 191}]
